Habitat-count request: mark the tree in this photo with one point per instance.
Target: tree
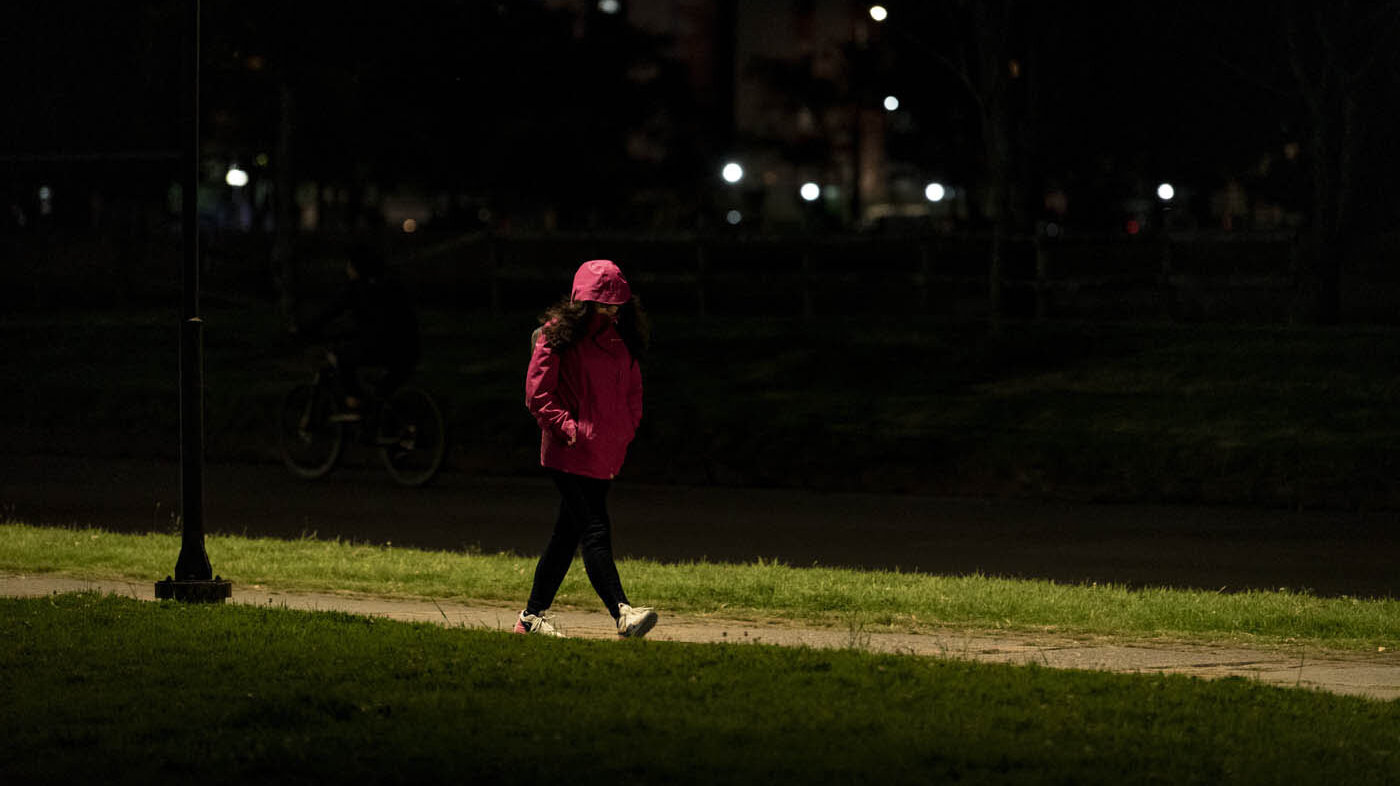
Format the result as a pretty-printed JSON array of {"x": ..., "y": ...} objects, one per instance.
[
  {"x": 524, "y": 105},
  {"x": 1343, "y": 59},
  {"x": 978, "y": 48}
]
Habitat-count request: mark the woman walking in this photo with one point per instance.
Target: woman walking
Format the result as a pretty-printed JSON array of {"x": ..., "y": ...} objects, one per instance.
[{"x": 584, "y": 387}]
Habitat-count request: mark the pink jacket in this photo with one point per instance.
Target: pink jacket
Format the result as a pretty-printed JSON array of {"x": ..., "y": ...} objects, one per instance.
[{"x": 590, "y": 391}]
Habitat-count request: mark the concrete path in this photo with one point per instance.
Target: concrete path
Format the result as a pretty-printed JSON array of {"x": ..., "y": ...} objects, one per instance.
[{"x": 1371, "y": 675}]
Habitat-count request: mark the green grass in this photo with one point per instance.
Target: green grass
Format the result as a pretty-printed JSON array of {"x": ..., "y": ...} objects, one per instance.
[
  {"x": 1278, "y": 416},
  {"x": 763, "y": 590},
  {"x": 110, "y": 689}
]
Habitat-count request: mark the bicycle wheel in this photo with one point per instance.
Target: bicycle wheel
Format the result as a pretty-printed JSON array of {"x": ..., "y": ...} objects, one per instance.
[
  {"x": 309, "y": 442},
  {"x": 412, "y": 437}
]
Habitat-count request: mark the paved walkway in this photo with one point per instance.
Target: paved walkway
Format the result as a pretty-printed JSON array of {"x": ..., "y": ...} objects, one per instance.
[{"x": 1372, "y": 675}]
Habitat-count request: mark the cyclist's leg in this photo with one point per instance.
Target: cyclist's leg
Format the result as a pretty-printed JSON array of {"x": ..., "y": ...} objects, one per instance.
[
  {"x": 397, "y": 374},
  {"x": 349, "y": 358},
  {"x": 398, "y": 360}
]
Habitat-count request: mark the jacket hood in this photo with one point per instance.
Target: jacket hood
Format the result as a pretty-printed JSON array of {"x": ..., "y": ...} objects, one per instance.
[{"x": 601, "y": 281}]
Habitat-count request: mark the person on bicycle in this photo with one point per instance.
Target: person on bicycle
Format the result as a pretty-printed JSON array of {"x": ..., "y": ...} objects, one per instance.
[
  {"x": 382, "y": 331},
  {"x": 584, "y": 388}
]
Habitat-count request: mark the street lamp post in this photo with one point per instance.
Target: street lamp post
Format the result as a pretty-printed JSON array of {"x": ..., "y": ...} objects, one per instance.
[
  {"x": 733, "y": 173},
  {"x": 193, "y": 580},
  {"x": 1166, "y": 192}
]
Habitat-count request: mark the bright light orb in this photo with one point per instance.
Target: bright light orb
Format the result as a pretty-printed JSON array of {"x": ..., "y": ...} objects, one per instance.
[
  {"x": 891, "y": 103},
  {"x": 811, "y": 191},
  {"x": 609, "y": 6},
  {"x": 1165, "y": 192},
  {"x": 236, "y": 177},
  {"x": 732, "y": 172},
  {"x": 934, "y": 192},
  {"x": 733, "y": 217},
  {"x": 879, "y": 13}
]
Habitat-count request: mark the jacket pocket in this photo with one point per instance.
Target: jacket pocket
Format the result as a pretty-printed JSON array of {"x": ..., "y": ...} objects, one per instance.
[{"x": 585, "y": 430}]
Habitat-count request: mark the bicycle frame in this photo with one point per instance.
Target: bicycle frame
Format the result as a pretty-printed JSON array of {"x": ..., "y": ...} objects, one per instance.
[{"x": 407, "y": 429}]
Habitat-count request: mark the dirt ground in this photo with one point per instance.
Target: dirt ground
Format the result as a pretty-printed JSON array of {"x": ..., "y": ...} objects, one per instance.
[
  {"x": 1373, "y": 675},
  {"x": 1329, "y": 553}
]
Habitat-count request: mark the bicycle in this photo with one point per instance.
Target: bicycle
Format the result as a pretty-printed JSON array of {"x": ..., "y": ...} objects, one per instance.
[{"x": 407, "y": 429}]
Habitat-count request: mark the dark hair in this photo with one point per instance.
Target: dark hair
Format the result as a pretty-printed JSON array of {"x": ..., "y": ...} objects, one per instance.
[{"x": 565, "y": 321}]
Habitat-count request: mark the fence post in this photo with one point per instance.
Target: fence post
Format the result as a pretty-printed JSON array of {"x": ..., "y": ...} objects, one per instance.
[
  {"x": 807, "y": 309},
  {"x": 1042, "y": 276},
  {"x": 494, "y": 264},
  {"x": 700, "y": 278},
  {"x": 1169, "y": 296},
  {"x": 921, "y": 283}
]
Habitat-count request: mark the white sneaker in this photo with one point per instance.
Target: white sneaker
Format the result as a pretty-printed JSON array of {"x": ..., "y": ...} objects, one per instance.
[
  {"x": 539, "y": 625},
  {"x": 633, "y": 623}
]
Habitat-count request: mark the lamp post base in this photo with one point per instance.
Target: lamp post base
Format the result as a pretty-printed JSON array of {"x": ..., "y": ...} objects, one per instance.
[{"x": 214, "y": 590}]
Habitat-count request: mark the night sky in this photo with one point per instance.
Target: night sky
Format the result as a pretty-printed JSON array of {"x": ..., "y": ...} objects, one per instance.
[{"x": 509, "y": 101}]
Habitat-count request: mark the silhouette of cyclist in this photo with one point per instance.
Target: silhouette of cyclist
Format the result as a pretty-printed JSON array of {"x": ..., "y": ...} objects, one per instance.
[{"x": 382, "y": 331}]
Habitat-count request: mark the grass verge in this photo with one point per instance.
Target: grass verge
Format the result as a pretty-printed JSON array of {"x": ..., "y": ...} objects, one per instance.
[
  {"x": 824, "y": 596},
  {"x": 132, "y": 692},
  {"x": 1221, "y": 414}
]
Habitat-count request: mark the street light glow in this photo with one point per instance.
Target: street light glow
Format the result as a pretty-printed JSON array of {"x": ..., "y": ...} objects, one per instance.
[
  {"x": 891, "y": 103},
  {"x": 934, "y": 192},
  {"x": 1165, "y": 192},
  {"x": 732, "y": 172},
  {"x": 878, "y": 13},
  {"x": 811, "y": 191},
  {"x": 236, "y": 177}
]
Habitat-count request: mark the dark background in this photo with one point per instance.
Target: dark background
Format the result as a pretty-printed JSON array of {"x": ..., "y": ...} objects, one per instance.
[
  {"x": 489, "y": 147},
  {"x": 558, "y": 116}
]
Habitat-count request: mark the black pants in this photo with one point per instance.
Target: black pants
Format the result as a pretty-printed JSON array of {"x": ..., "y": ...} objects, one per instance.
[{"x": 583, "y": 525}]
